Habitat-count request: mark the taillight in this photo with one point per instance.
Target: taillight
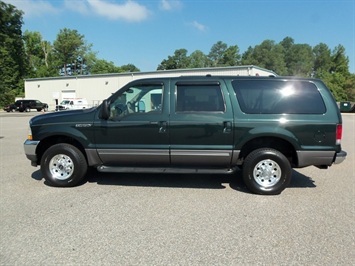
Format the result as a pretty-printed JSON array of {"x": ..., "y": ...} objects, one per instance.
[{"x": 339, "y": 134}]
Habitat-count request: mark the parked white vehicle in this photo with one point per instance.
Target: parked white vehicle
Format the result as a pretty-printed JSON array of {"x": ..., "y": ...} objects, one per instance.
[{"x": 72, "y": 103}]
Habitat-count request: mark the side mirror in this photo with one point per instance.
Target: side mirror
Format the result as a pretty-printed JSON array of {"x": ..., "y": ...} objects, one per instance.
[{"x": 105, "y": 110}]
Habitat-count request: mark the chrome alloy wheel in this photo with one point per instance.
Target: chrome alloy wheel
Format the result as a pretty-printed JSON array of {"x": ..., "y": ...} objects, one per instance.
[
  {"x": 61, "y": 166},
  {"x": 267, "y": 173}
]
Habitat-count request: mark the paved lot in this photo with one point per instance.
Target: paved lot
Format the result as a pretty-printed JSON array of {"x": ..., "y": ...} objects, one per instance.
[{"x": 172, "y": 219}]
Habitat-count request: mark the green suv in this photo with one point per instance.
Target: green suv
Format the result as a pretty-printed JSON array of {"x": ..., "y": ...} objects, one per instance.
[{"x": 207, "y": 124}]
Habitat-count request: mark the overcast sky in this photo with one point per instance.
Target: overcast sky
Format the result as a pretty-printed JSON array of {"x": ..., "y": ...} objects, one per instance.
[{"x": 144, "y": 32}]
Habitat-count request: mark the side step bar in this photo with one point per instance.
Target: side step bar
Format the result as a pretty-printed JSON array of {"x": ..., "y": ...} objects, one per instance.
[{"x": 169, "y": 170}]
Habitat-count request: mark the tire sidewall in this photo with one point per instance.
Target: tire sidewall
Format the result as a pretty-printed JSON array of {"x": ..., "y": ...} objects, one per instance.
[
  {"x": 79, "y": 161},
  {"x": 263, "y": 154}
]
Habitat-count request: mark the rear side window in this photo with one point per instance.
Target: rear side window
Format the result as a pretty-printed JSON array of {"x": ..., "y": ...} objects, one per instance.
[
  {"x": 278, "y": 97},
  {"x": 199, "y": 98}
]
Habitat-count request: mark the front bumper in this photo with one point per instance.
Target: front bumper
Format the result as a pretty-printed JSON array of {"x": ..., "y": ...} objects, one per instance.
[
  {"x": 340, "y": 157},
  {"x": 30, "y": 147}
]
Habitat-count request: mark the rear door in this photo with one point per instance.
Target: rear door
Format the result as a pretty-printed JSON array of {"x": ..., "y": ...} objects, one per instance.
[{"x": 201, "y": 124}]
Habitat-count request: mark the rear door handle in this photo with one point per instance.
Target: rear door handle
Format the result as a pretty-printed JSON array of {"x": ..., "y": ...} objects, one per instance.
[{"x": 162, "y": 126}]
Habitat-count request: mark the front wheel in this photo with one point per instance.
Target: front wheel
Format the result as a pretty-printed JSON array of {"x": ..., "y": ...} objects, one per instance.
[
  {"x": 266, "y": 171},
  {"x": 63, "y": 165}
]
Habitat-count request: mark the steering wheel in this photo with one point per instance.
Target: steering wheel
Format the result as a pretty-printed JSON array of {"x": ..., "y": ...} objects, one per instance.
[
  {"x": 121, "y": 109},
  {"x": 130, "y": 107}
]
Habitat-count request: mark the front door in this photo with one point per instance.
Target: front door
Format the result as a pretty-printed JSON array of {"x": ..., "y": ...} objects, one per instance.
[
  {"x": 136, "y": 132},
  {"x": 201, "y": 124}
]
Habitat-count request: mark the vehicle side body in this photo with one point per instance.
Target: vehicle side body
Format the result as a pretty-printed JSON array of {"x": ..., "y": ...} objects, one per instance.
[
  {"x": 10, "y": 108},
  {"x": 26, "y": 105},
  {"x": 72, "y": 104},
  {"x": 200, "y": 125}
]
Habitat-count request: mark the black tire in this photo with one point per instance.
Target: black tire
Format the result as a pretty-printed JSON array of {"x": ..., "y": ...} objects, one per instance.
[
  {"x": 63, "y": 165},
  {"x": 266, "y": 171}
]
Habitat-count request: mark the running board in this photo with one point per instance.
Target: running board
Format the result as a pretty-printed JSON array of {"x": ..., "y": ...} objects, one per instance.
[{"x": 169, "y": 170}]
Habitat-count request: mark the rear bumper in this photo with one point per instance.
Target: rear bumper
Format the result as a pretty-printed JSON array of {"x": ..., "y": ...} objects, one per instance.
[
  {"x": 320, "y": 158},
  {"x": 30, "y": 147},
  {"x": 340, "y": 157}
]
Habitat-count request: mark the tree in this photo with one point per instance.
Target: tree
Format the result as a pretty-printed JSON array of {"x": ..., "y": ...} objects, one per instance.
[
  {"x": 349, "y": 87},
  {"x": 340, "y": 62},
  {"x": 68, "y": 47},
  {"x": 12, "y": 63},
  {"x": 129, "y": 68},
  {"x": 198, "y": 60},
  {"x": 179, "y": 60},
  {"x": 337, "y": 76},
  {"x": 39, "y": 56},
  {"x": 231, "y": 56},
  {"x": 287, "y": 44},
  {"x": 299, "y": 60},
  {"x": 216, "y": 54},
  {"x": 267, "y": 55},
  {"x": 322, "y": 59},
  {"x": 220, "y": 55},
  {"x": 102, "y": 67}
]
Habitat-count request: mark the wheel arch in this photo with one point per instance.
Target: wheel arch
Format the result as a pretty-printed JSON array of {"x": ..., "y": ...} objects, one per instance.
[
  {"x": 282, "y": 145},
  {"x": 49, "y": 141}
]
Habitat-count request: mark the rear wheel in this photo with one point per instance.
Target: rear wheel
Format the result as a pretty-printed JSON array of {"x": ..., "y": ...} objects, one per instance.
[
  {"x": 63, "y": 165},
  {"x": 266, "y": 171}
]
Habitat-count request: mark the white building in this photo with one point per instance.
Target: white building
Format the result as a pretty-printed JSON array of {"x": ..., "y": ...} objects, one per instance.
[{"x": 96, "y": 88}]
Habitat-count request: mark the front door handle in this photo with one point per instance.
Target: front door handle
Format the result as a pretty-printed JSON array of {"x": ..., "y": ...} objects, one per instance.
[{"x": 227, "y": 127}]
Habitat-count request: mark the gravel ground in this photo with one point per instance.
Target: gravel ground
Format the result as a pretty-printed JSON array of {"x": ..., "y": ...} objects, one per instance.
[{"x": 130, "y": 219}]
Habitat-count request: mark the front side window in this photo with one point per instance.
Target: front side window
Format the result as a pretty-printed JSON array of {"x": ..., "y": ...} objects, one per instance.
[
  {"x": 278, "y": 97},
  {"x": 199, "y": 98},
  {"x": 137, "y": 100}
]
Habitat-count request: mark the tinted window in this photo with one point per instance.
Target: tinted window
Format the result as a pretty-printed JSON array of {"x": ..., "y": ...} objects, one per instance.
[
  {"x": 278, "y": 97},
  {"x": 199, "y": 98}
]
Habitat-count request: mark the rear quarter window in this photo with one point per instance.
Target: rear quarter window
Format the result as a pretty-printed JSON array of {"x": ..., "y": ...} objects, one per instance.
[{"x": 278, "y": 97}]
